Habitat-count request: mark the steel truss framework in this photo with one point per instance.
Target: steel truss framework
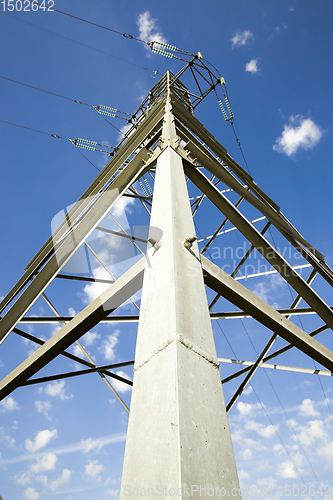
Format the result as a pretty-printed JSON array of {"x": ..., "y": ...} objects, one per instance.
[{"x": 167, "y": 126}]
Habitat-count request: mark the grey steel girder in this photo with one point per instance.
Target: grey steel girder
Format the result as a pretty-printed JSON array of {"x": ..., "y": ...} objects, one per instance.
[
  {"x": 239, "y": 295},
  {"x": 261, "y": 244},
  {"x": 117, "y": 293},
  {"x": 71, "y": 242}
]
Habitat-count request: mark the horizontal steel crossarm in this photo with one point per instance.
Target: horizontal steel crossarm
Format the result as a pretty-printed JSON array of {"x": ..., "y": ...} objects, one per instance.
[
  {"x": 296, "y": 369},
  {"x": 132, "y": 319},
  {"x": 266, "y": 273},
  {"x": 126, "y": 286},
  {"x": 83, "y": 278},
  {"x": 67, "y": 319},
  {"x": 240, "y": 296},
  {"x": 128, "y": 148},
  {"x": 261, "y": 244},
  {"x": 214, "y": 167},
  {"x": 273, "y": 355},
  {"x": 68, "y": 246},
  {"x": 240, "y": 314},
  {"x": 102, "y": 370}
]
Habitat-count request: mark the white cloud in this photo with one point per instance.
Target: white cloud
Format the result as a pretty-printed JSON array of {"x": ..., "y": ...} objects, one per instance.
[
  {"x": 306, "y": 409},
  {"x": 108, "y": 346},
  {"x": 122, "y": 206},
  {"x": 287, "y": 470},
  {"x": 8, "y": 404},
  {"x": 248, "y": 390},
  {"x": 41, "y": 440},
  {"x": 242, "y": 474},
  {"x": 25, "y": 478},
  {"x": 42, "y": 479},
  {"x": 304, "y": 134},
  {"x": 252, "y": 66},
  {"x": 246, "y": 454},
  {"x": 64, "y": 478},
  {"x": 10, "y": 441},
  {"x": 93, "y": 290},
  {"x": 93, "y": 469},
  {"x": 44, "y": 407},
  {"x": 148, "y": 30},
  {"x": 241, "y": 38},
  {"x": 90, "y": 444},
  {"x": 71, "y": 311},
  {"x": 31, "y": 494},
  {"x": 47, "y": 462},
  {"x": 112, "y": 493},
  {"x": 327, "y": 452},
  {"x": 311, "y": 433},
  {"x": 266, "y": 432},
  {"x": 84, "y": 446},
  {"x": 56, "y": 390},
  {"x": 246, "y": 408},
  {"x": 90, "y": 337},
  {"x": 270, "y": 288},
  {"x": 121, "y": 386},
  {"x": 123, "y": 130}
]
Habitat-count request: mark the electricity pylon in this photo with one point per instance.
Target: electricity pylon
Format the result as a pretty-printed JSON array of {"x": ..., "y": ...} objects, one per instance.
[{"x": 178, "y": 433}]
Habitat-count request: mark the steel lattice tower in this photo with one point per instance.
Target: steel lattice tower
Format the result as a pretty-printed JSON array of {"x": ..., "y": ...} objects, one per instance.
[{"x": 178, "y": 432}]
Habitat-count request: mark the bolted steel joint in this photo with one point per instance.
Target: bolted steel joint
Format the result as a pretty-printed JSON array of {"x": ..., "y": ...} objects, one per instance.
[{"x": 189, "y": 241}]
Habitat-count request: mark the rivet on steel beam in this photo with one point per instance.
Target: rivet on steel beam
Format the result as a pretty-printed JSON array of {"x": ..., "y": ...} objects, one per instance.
[
  {"x": 155, "y": 243},
  {"x": 189, "y": 242}
]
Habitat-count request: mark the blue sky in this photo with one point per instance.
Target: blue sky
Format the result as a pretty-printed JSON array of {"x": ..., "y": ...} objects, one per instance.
[{"x": 65, "y": 440}]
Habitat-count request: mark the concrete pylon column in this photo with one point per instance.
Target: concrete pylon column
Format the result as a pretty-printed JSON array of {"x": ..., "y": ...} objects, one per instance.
[{"x": 178, "y": 441}]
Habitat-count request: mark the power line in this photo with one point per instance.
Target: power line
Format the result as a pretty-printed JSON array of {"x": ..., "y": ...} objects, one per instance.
[
  {"x": 126, "y": 35},
  {"x": 81, "y": 143},
  {"x": 97, "y": 108},
  {"x": 51, "y": 135},
  {"x": 35, "y": 130},
  {"x": 84, "y": 45}
]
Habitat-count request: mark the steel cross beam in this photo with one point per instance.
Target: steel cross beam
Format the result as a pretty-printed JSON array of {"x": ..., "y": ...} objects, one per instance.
[
  {"x": 261, "y": 244},
  {"x": 240, "y": 296},
  {"x": 297, "y": 369},
  {"x": 126, "y": 286}
]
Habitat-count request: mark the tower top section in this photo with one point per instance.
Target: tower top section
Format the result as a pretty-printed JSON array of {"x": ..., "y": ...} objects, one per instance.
[{"x": 169, "y": 85}]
